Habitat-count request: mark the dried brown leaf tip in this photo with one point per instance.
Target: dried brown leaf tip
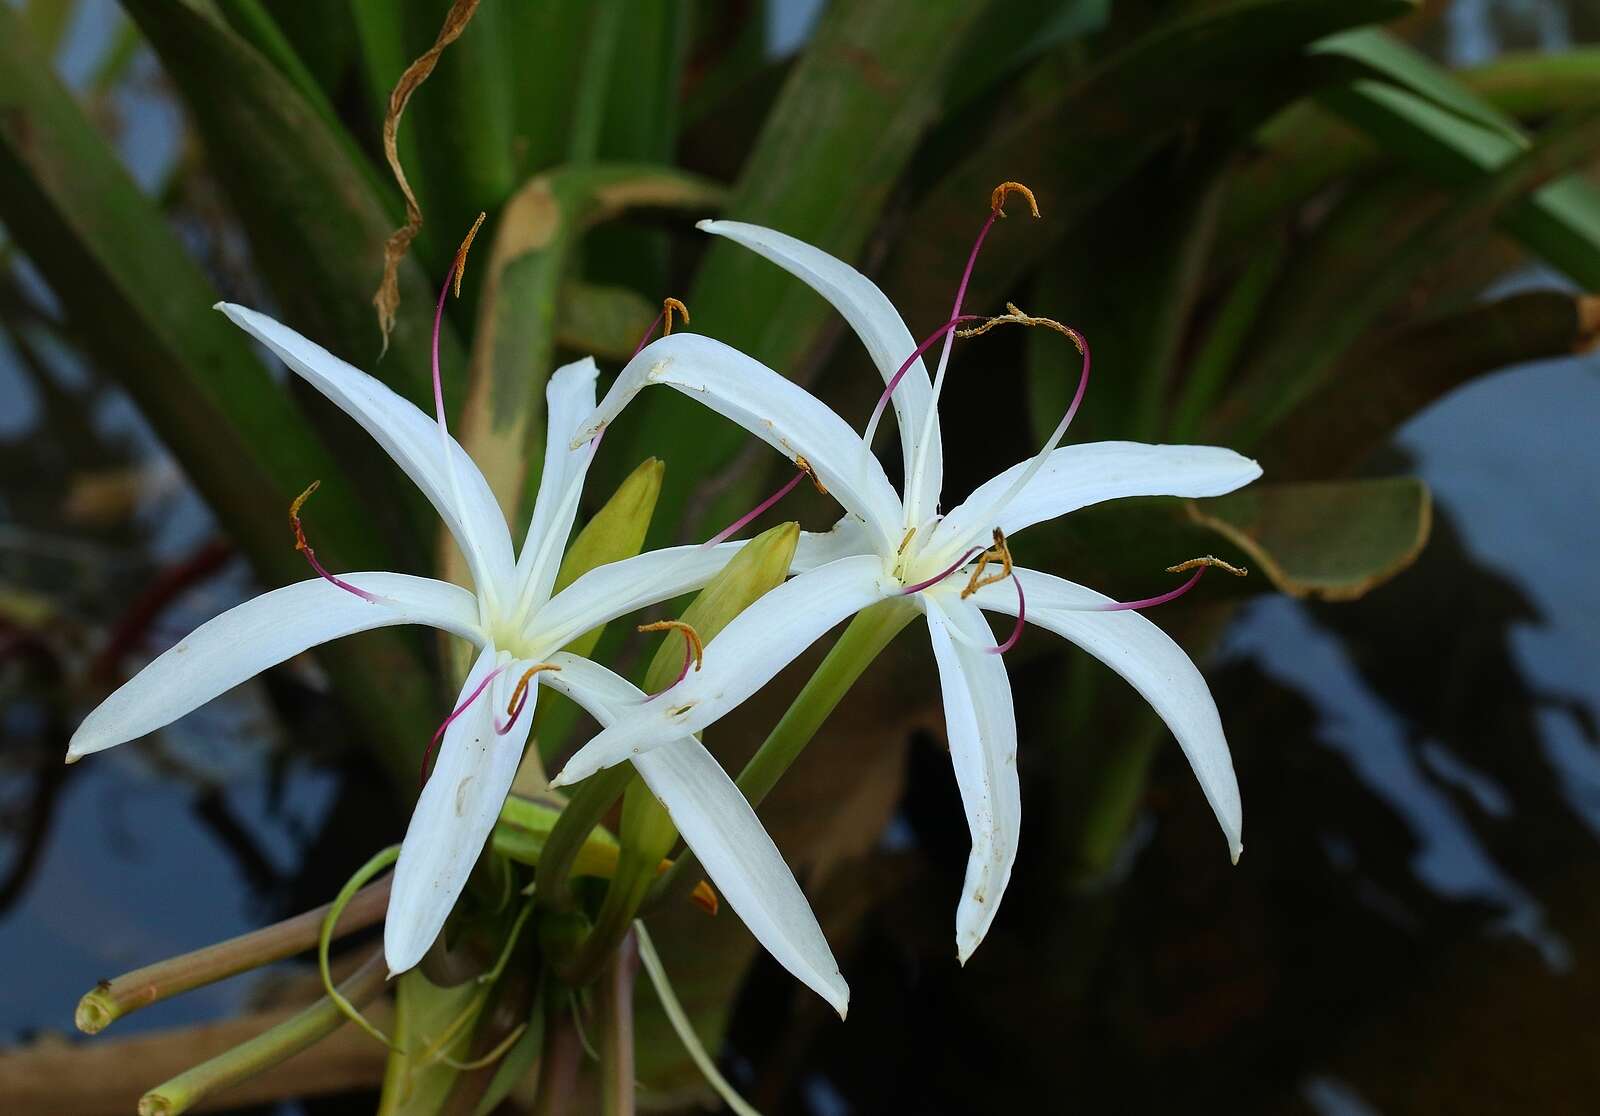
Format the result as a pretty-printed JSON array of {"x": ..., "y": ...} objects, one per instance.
[
  {"x": 997, "y": 199},
  {"x": 387, "y": 298}
]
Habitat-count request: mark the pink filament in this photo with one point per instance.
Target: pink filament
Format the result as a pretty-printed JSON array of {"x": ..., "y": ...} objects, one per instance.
[
  {"x": 311, "y": 557},
  {"x": 522, "y": 701},
  {"x": 649, "y": 333},
  {"x": 688, "y": 661},
  {"x": 927, "y": 343},
  {"x": 1022, "y": 616},
  {"x": 936, "y": 578},
  {"x": 438, "y": 325},
  {"x": 1151, "y": 602},
  {"x": 728, "y": 531},
  {"x": 448, "y": 721}
]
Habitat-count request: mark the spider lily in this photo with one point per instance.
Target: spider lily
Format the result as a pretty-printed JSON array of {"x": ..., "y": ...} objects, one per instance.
[
  {"x": 895, "y": 545},
  {"x": 519, "y": 628}
]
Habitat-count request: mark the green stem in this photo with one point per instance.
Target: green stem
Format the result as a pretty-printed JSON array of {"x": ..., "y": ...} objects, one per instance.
[
  {"x": 266, "y": 1050},
  {"x": 616, "y": 1029},
  {"x": 589, "y": 803},
  {"x": 589, "y": 113},
  {"x": 868, "y": 634},
  {"x": 128, "y": 993}
]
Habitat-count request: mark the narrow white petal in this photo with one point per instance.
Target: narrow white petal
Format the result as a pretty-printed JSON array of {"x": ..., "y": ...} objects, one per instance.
[
  {"x": 618, "y": 588},
  {"x": 848, "y": 538},
  {"x": 410, "y": 437},
  {"x": 719, "y": 824},
  {"x": 744, "y": 656},
  {"x": 1074, "y": 477},
  {"x": 454, "y": 814},
  {"x": 982, "y": 730},
  {"x": 569, "y": 399},
  {"x": 781, "y": 413},
  {"x": 1152, "y": 663},
  {"x": 260, "y": 633},
  {"x": 876, "y": 322}
]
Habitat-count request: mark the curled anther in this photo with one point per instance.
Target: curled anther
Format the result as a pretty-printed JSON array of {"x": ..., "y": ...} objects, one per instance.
[
  {"x": 520, "y": 694},
  {"x": 294, "y": 514},
  {"x": 1016, "y": 316},
  {"x": 1000, "y": 553},
  {"x": 461, "y": 253},
  {"x": 805, "y": 467},
  {"x": 668, "y": 305},
  {"x": 997, "y": 200},
  {"x": 1208, "y": 560},
  {"x": 911, "y": 533},
  {"x": 697, "y": 648}
]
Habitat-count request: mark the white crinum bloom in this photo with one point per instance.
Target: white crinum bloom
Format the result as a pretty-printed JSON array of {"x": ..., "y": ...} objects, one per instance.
[
  {"x": 888, "y": 545},
  {"x": 513, "y": 619}
]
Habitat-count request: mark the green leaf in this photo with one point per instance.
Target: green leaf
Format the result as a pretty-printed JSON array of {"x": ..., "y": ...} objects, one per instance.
[
  {"x": 430, "y": 1024},
  {"x": 513, "y": 347},
  {"x": 1380, "y": 385},
  {"x": 606, "y": 322},
  {"x": 1383, "y": 56},
  {"x": 849, "y": 116},
  {"x": 314, "y": 214},
  {"x": 1333, "y": 541},
  {"x": 1283, "y": 372}
]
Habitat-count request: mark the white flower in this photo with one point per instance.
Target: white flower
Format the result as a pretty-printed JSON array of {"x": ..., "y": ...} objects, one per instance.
[
  {"x": 512, "y": 617},
  {"x": 887, "y": 546}
]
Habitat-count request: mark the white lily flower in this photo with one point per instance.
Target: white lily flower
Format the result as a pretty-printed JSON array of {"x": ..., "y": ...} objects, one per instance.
[
  {"x": 888, "y": 545},
  {"x": 520, "y": 629}
]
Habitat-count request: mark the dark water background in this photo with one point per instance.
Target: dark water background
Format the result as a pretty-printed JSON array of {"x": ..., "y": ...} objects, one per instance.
[{"x": 1423, "y": 764}]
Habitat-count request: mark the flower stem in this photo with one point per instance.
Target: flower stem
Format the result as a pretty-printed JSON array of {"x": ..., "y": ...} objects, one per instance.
[
  {"x": 616, "y": 1029},
  {"x": 267, "y": 1049},
  {"x": 589, "y": 803},
  {"x": 867, "y": 635},
  {"x": 113, "y": 999}
]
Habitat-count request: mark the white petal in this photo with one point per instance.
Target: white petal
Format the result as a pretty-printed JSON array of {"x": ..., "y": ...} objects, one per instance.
[
  {"x": 876, "y": 322},
  {"x": 1074, "y": 477},
  {"x": 1155, "y": 666},
  {"x": 260, "y": 633},
  {"x": 982, "y": 730},
  {"x": 454, "y": 814},
  {"x": 744, "y": 656},
  {"x": 618, "y": 588},
  {"x": 719, "y": 824},
  {"x": 781, "y": 413},
  {"x": 409, "y": 436},
  {"x": 569, "y": 399},
  {"x": 848, "y": 538}
]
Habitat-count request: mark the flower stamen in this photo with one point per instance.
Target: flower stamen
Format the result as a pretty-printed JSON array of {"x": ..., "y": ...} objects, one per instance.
[
  {"x": 460, "y": 265},
  {"x": 733, "y": 528},
  {"x": 519, "y": 697},
  {"x": 1199, "y": 565},
  {"x": 304, "y": 547},
  {"x": 997, "y": 199},
  {"x": 946, "y": 572},
  {"x": 1001, "y": 553},
  {"x": 663, "y": 320},
  {"x": 694, "y": 651},
  {"x": 466, "y": 704}
]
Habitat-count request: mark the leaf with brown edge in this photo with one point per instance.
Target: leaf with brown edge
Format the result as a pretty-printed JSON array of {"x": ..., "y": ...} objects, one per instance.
[
  {"x": 387, "y": 297},
  {"x": 1329, "y": 540}
]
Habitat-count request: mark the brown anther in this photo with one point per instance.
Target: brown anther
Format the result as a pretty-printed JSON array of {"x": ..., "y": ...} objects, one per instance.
[
  {"x": 1016, "y": 316},
  {"x": 668, "y": 305},
  {"x": 1208, "y": 560},
  {"x": 294, "y": 514},
  {"x": 1000, "y": 553},
  {"x": 997, "y": 200},
  {"x": 702, "y": 896},
  {"x": 805, "y": 467},
  {"x": 696, "y": 647},
  {"x": 522, "y": 685},
  {"x": 461, "y": 252},
  {"x": 905, "y": 542}
]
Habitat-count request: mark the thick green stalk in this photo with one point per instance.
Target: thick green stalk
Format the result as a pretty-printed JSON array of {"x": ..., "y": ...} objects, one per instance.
[
  {"x": 589, "y": 803},
  {"x": 267, "y": 1049}
]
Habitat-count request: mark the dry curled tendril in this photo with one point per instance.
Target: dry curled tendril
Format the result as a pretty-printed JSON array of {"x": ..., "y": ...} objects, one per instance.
[{"x": 1000, "y": 553}]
